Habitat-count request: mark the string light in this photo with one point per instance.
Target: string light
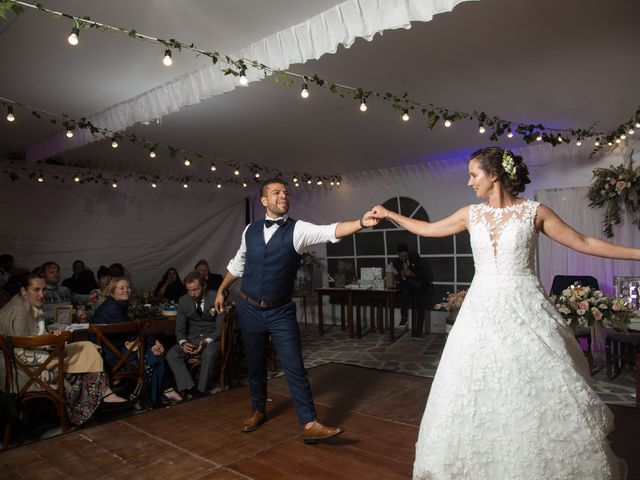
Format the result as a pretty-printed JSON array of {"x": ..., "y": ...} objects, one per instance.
[
  {"x": 244, "y": 184},
  {"x": 618, "y": 140},
  {"x": 631, "y": 131},
  {"x": 405, "y": 115},
  {"x": 448, "y": 123},
  {"x": 560, "y": 139},
  {"x": 510, "y": 134},
  {"x": 309, "y": 181},
  {"x": 578, "y": 143},
  {"x": 73, "y": 38},
  {"x": 213, "y": 167},
  {"x": 185, "y": 185},
  {"x": 297, "y": 184},
  {"x": 481, "y": 129},
  {"x": 623, "y": 136},
  {"x": 538, "y": 138},
  {"x": 76, "y": 178},
  {"x": 152, "y": 153},
  {"x": 236, "y": 172},
  {"x": 243, "y": 78},
  {"x": 305, "y": 90},
  {"x": 319, "y": 182},
  {"x": 154, "y": 185},
  {"x": 41, "y": 178},
  {"x": 10, "y": 116},
  {"x": 69, "y": 133},
  {"x": 609, "y": 143},
  {"x": 219, "y": 185},
  {"x": 167, "y": 60},
  {"x": 114, "y": 142},
  {"x": 363, "y": 105},
  {"x": 637, "y": 124},
  {"x": 332, "y": 183},
  {"x": 114, "y": 184},
  {"x": 257, "y": 175},
  {"x": 295, "y": 179},
  {"x": 338, "y": 183},
  {"x": 597, "y": 143},
  {"x": 187, "y": 162}
]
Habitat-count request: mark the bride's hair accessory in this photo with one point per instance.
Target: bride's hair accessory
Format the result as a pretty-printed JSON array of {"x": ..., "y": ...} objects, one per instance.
[{"x": 508, "y": 165}]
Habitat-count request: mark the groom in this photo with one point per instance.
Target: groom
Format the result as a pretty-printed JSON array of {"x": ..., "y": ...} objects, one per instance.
[{"x": 267, "y": 261}]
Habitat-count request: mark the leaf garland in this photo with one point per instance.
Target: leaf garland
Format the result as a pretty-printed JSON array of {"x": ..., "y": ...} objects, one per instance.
[{"x": 431, "y": 113}]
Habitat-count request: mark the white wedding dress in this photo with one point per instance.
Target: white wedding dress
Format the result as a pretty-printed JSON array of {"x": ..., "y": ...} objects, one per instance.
[{"x": 511, "y": 399}]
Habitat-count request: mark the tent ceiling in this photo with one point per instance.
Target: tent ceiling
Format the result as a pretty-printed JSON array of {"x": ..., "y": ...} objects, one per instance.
[{"x": 566, "y": 64}]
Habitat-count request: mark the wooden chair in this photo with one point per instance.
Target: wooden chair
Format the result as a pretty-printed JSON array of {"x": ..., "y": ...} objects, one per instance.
[
  {"x": 129, "y": 365},
  {"x": 230, "y": 348},
  {"x": 34, "y": 386}
]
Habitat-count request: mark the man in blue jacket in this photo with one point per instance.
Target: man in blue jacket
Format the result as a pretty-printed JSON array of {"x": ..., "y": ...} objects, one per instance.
[{"x": 267, "y": 261}]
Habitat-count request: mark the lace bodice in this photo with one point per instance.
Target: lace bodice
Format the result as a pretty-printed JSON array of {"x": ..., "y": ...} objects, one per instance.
[{"x": 504, "y": 240}]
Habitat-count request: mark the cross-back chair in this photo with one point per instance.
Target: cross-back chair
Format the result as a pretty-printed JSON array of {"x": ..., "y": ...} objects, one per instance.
[{"x": 36, "y": 376}]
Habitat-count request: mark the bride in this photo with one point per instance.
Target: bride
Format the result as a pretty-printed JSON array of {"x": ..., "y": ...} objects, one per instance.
[{"x": 511, "y": 398}]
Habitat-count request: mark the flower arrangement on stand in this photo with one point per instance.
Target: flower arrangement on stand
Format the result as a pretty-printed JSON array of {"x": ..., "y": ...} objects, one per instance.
[
  {"x": 452, "y": 303},
  {"x": 585, "y": 307},
  {"x": 613, "y": 188}
]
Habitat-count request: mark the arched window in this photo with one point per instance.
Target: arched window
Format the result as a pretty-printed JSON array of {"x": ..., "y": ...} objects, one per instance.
[{"x": 448, "y": 261}]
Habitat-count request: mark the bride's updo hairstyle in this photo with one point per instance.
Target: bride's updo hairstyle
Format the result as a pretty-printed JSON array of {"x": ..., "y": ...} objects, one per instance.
[{"x": 511, "y": 170}]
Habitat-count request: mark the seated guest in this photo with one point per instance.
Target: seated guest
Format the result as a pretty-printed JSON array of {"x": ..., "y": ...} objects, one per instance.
[
  {"x": 55, "y": 295},
  {"x": 170, "y": 287},
  {"x": 77, "y": 267},
  {"x": 117, "y": 270},
  {"x": 115, "y": 310},
  {"x": 212, "y": 281},
  {"x": 197, "y": 333},
  {"x": 86, "y": 383},
  {"x": 86, "y": 283}
]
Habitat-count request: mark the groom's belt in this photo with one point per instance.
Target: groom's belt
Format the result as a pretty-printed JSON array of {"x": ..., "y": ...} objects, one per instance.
[{"x": 265, "y": 305}]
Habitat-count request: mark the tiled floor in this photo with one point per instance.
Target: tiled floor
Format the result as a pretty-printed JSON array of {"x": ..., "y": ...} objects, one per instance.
[{"x": 420, "y": 357}]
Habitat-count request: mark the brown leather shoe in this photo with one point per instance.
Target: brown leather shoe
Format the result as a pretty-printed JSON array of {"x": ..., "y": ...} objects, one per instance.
[
  {"x": 252, "y": 423},
  {"x": 318, "y": 432}
]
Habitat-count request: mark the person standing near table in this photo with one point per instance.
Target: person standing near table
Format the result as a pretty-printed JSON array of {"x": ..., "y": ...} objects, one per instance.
[{"x": 267, "y": 261}]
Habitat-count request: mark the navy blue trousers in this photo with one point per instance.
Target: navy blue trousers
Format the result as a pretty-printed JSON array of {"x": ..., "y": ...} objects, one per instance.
[{"x": 281, "y": 323}]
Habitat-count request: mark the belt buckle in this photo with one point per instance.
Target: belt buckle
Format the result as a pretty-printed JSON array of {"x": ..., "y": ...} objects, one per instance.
[{"x": 264, "y": 304}]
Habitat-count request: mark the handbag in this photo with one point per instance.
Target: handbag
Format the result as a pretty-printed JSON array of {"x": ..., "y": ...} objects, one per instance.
[{"x": 9, "y": 399}]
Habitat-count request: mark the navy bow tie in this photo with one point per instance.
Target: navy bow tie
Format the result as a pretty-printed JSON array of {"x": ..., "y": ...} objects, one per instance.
[{"x": 269, "y": 223}]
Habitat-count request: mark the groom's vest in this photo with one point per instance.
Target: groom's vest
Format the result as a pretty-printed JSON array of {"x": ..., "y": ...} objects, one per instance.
[{"x": 270, "y": 269}]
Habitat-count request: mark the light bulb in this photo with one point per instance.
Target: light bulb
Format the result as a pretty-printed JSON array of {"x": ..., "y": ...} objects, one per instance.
[
  {"x": 243, "y": 80},
  {"x": 114, "y": 143},
  {"x": 295, "y": 179},
  {"x": 73, "y": 38},
  {"x": 609, "y": 143},
  {"x": 405, "y": 115},
  {"x": 236, "y": 172},
  {"x": 114, "y": 184},
  {"x": 631, "y": 131},
  {"x": 257, "y": 175},
  {"x": 10, "y": 116},
  {"x": 637, "y": 124},
  {"x": 187, "y": 162},
  {"x": 40, "y": 178},
  {"x": 213, "y": 167},
  {"x": 152, "y": 153},
  {"x": 69, "y": 133},
  {"x": 618, "y": 140},
  {"x": 560, "y": 139},
  {"x": 319, "y": 182},
  {"x": 578, "y": 143},
  {"x": 597, "y": 144},
  {"x": 244, "y": 184},
  {"x": 76, "y": 178},
  {"x": 448, "y": 123},
  {"x": 481, "y": 129},
  {"x": 219, "y": 185},
  {"x": 297, "y": 184},
  {"x": 623, "y": 136},
  {"x": 185, "y": 185},
  {"x": 154, "y": 184},
  {"x": 167, "y": 60},
  {"x": 363, "y": 105},
  {"x": 332, "y": 183},
  {"x": 538, "y": 138},
  {"x": 338, "y": 183},
  {"x": 305, "y": 92},
  {"x": 309, "y": 181},
  {"x": 510, "y": 134}
]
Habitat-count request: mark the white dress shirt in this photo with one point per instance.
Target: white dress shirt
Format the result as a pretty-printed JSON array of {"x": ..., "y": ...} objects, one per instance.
[{"x": 305, "y": 234}]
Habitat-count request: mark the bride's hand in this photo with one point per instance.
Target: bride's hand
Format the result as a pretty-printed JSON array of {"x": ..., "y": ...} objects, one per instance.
[{"x": 379, "y": 212}]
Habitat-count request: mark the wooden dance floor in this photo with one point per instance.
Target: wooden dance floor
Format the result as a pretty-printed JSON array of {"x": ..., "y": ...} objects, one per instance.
[{"x": 201, "y": 439}]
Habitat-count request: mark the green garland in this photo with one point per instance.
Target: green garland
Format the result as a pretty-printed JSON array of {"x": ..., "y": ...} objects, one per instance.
[
  {"x": 615, "y": 188},
  {"x": 431, "y": 113}
]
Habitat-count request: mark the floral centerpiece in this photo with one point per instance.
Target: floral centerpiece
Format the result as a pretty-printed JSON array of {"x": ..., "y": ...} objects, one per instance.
[
  {"x": 585, "y": 307},
  {"x": 452, "y": 303},
  {"x": 613, "y": 188}
]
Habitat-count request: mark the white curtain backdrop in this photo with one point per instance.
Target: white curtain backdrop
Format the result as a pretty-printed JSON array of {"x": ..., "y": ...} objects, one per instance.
[
  {"x": 571, "y": 204},
  {"x": 322, "y": 34},
  {"x": 146, "y": 230}
]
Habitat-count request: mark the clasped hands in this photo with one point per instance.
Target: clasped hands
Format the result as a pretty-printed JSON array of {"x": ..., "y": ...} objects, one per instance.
[
  {"x": 191, "y": 349},
  {"x": 372, "y": 217}
]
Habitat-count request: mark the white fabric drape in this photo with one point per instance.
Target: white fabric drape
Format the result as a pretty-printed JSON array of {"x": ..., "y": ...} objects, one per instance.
[
  {"x": 146, "y": 230},
  {"x": 322, "y": 34},
  {"x": 571, "y": 204}
]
